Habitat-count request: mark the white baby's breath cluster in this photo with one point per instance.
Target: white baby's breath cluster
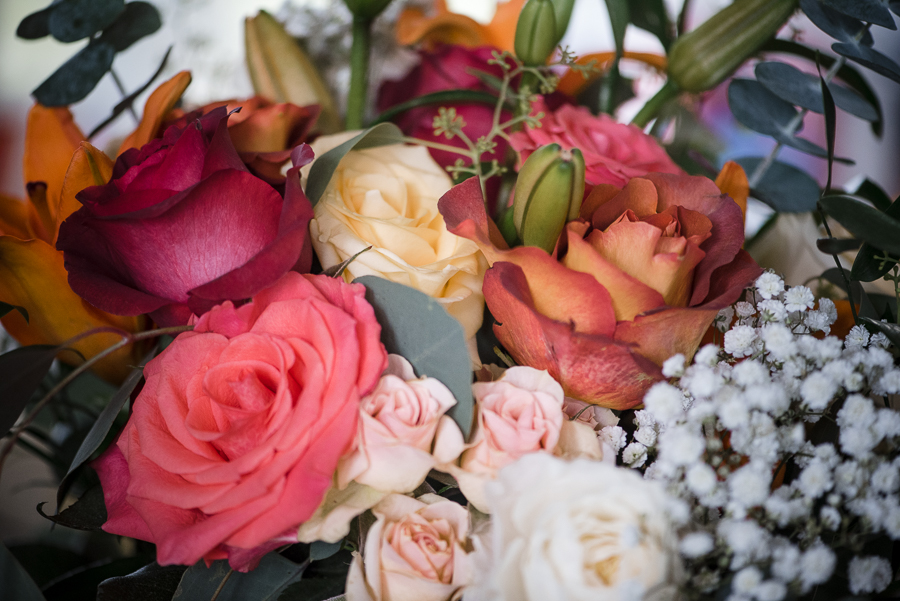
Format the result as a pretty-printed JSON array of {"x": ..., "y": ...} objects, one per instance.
[{"x": 778, "y": 450}]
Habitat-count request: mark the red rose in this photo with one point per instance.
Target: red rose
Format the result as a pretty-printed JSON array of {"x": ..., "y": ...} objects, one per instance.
[
  {"x": 236, "y": 434},
  {"x": 183, "y": 225}
]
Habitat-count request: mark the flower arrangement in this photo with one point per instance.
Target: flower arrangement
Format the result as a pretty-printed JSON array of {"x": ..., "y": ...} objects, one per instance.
[{"x": 462, "y": 334}]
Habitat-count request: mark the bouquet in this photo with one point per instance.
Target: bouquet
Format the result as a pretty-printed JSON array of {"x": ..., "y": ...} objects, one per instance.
[{"x": 466, "y": 333}]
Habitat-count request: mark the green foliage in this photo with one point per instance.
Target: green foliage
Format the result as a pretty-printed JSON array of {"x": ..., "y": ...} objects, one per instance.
[
  {"x": 87, "y": 513},
  {"x": 6, "y": 308},
  {"x": 17, "y": 584},
  {"x": 21, "y": 372},
  {"x": 266, "y": 582},
  {"x": 783, "y": 187},
  {"x": 152, "y": 582}
]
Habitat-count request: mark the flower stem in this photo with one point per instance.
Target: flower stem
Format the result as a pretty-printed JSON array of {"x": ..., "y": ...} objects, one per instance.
[
  {"x": 359, "y": 72},
  {"x": 651, "y": 108}
]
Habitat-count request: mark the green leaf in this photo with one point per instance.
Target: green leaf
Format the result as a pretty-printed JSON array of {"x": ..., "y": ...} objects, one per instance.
[
  {"x": 73, "y": 20},
  {"x": 322, "y": 550},
  {"x": 891, "y": 330},
  {"x": 323, "y": 580},
  {"x": 865, "y": 222},
  {"x": 444, "y": 97},
  {"x": 77, "y": 76},
  {"x": 830, "y": 118},
  {"x": 21, "y": 372},
  {"x": 81, "y": 584},
  {"x": 803, "y": 89},
  {"x": 872, "y": 192},
  {"x": 867, "y": 267},
  {"x": 870, "y": 11},
  {"x": 619, "y": 16},
  {"x": 417, "y": 327},
  {"x": 264, "y": 583},
  {"x": 835, "y": 246},
  {"x": 17, "y": 584},
  {"x": 836, "y": 24},
  {"x": 151, "y": 583},
  {"x": 783, "y": 187},
  {"x": 87, "y": 513},
  {"x": 36, "y": 25},
  {"x": 138, "y": 20},
  {"x": 869, "y": 58},
  {"x": 651, "y": 15},
  {"x": 324, "y": 166},
  {"x": 6, "y": 308},
  {"x": 855, "y": 291}
]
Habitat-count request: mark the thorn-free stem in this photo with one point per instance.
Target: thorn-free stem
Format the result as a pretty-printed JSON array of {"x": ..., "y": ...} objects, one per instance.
[
  {"x": 124, "y": 93},
  {"x": 359, "y": 72}
]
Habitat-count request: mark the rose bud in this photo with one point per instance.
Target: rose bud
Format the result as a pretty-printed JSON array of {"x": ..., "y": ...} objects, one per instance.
[
  {"x": 549, "y": 192},
  {"x": 536, "y": 32}
]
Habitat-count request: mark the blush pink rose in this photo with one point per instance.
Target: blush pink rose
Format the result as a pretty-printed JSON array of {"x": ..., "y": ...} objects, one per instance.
[
  {"x": 613, "y": 152},
  {"x": 237, "y": 433},
  {"x": 398, "y": 422},
  {"x": 415, "y": 551}
]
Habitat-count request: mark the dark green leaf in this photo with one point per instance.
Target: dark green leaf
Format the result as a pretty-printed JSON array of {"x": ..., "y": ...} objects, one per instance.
[
  {"x": 830, "y": 117},
  {"x": 81, "y": 584},
  {"x": 322, "y": 581},
  {"x": 444, "y": 97},
  {"x": 894, "y": 5},
  {"x": 891, "y": 330},
  {"x": 46, "y": 562},
  {"x": 36, "y": 25},
  {"x": 21, "y": 372},
  {"x": 73, "y": 20},
  {"x": 139, "y": 19},
  {"x": 6, "y": 308},
  {"x": 264, "y": 583},
  {"x": 847, "y": 73},
  {"x": 417, "y": 327},
  {"x": 618, "y": 17},
  {"x": 870, "y": 263},
  {"x": 870, "y": 11},
  {"x": 865, "y": 222},
  {"x": 77, "y": 76},
  {"x": 835, "y": 246},
  {"x": 151, "y": 583},
  {"x": 17, "y": 584},
  {"x": 783, "y": 187},
  {"x": 323, "y": 168},
  {"x": 651, "y": 15},
  {"x": 839, "y": 277},
  {"x": 803, "y": 89},
  {"x": 836, "y": 24},
  {"x": 322, "y": 550},
  {"x": 867, "y": 57},
  {"x": 87, "y": 513},
  {"x": 874, "y": 194}
]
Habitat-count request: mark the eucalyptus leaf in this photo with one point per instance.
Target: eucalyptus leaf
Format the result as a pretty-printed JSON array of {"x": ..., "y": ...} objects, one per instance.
[
  {"x": 151, "y": 583},
  {"x": 783, "y": 187},
  {"x": 265, "y": 582},
  {"x": 839, "y": 277},
  {"x": 870, "y": 11},
  {"x": 417, "y": 327},
  {"x": 834, "y": 23},
  {"x": 36, "y": 25},
  {"x": 6, "y": 308},
  {"x": 864, "y": 222},
  {"x": 835, "y": 246},
  {"x": 87, "y": 513},
  {"x": 21, "y": 372},
  {"x": 138, "y": 20},
  {"x": 322, "y": 550},
  {"x": 870, "y": 58},
  {"x": 870, "y": 263},
  {"x": 619, "y": 16},
  {"x": 323, "y": 580},
  {"x": 324, "y": 166},
  {"x": 73, "y": 20},
  {"x": 874, "y": 194},
  {"x": 17, "y": 584},
  {"x": 443, "y": 97},
  {"x": 77, "y": 76},
  {"x": 803, "y": 89},
  {"x": 830, "y": 121},
  {"x": 651, "y": 15},
  {"x": 891, "y": 330}
]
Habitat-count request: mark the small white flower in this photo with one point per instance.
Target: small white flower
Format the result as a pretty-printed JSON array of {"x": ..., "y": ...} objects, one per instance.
[
  {"x": 886, "y": 478},
  {"x": 772, "y": 310},
  {"x": 817, "y": 391},
  {"x": 857, "y": 442},
  {"x": 646, "y": 436},
  {"x": 613, "y": 436},
  {"x": 739, "y": 341},
  {"x": 748, "y": 373},
  {"x": 857, "y": 337},
  {"x": 664, "y": 402},
  {"x": 770, "y": 590},
  {"x": 888, "y": 423},
  {"x": 708, "y": 355},
  {"x": 826, "y": 306},
  {"x": 891, "y": 522},
  {"x": 869, "y": 574},
  {"x": 701, "y": 381},
  {"x": 889, "y": 382},
  {"x": 879, "y": 340},
  {"x": 779, "y": 341},
  {"x": 744, "y": 309},
  {"x": 746, "y": 580},
  {"x": 817, "y": 321},
  {"x": 785, "y": 561},
  {"x": 769, "y": 285},
  {"x": 749, "y": 486},
  {"x": 848, "y": 478},
  {"x": 634, "y": 455},
  {"x": 858, "y": 412},
  {"x": 701, "y": 479},
  {"x": 673, "y": 367},
  {"x": 696, "y": 544},
  {"x": 830, "y": 517},
  {"x": 816, "y": 566},
  {"x": 747, "y": 539},
  {"x": 799, "y": 298},
  {"x": 815, "y": 480},
  {"x": 680, "y": 446}
]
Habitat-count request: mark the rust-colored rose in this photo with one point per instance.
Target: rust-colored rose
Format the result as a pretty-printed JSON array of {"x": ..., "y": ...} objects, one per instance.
[{"x": 637, "y": 279}]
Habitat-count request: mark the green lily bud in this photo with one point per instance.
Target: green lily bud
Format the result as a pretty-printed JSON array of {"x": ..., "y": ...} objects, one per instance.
[
  {"x": 549, "y": 192},
  {"x": 562, "y": 10},
  {"x": 366, "y": 9},
  {"x": 702, "y": 59},
  {"x": 536, "y": 32}
]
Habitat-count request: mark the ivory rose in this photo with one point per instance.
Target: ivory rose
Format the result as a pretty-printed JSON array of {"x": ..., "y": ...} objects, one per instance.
[
  {"x": 415, "y": 551},
  {"x": 637, "y": 278},
  {"x": 613, "y": 152},
  {"x": 575, "y": 530},
  {"x": 235, "y": 437},
  {"x": 386, "y": 197}
]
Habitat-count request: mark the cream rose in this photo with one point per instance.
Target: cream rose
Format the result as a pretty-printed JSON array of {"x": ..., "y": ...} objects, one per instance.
[
  {"x": 577, "y": 530},
  {"x": 386, "y": 197},
  {"x": 415, "y": 551}
]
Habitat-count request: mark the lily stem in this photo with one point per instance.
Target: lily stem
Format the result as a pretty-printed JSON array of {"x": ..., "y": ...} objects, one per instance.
[
  {"x": 359, "y": 72},
  {"x": 124, "y": 93}
]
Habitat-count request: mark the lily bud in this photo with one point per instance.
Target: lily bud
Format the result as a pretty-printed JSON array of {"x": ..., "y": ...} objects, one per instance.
[
  {"x": 366, "y": 9},
  {"x": 536, "y": 32},
  {"x": 702, "y": 59},
  {"x": 281, "y": 71},
  {"x": 549, "y": 192},
  {"x": 562, "y": 10}
]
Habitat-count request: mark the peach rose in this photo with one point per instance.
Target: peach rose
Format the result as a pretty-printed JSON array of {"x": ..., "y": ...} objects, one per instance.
[
  {"x": 613, "y": 152},
  {"x": 415, "y": 551},
  {"x": 237, "y": 433}
]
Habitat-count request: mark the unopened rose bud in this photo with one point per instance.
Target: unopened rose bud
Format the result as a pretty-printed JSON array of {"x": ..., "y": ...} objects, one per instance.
[
  {"x": 366, "y": 9},
  {"x": 702, "y": 59},
  {"x": 536, "y": 32},
  {"x": 549, "y": 192}
]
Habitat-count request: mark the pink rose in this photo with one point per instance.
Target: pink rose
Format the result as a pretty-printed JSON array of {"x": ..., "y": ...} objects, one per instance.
[
  {"x": 613, "y": 152},
  {"x": 398, "y": 422},
  {"x": 236, "y": 435},
  {"x": 415, "y": 551}
]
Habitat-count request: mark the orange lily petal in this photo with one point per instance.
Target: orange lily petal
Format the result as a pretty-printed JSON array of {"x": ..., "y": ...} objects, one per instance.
[
  {"x": 414, "y": 27},
  {"x": 501, "y": 31},
  {"x": 32, "y": 276},
  {"x": 89, "y": 167},
  {"x": 51, "y": 138},
  {"x": 732, "y": 180},
  {"x": 573, "y": 82},
  {"x": 16, "y": 218},
  {"x": 160, "y": 102}
]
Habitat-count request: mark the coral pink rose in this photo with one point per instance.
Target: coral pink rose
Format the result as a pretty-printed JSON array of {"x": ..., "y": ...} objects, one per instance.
[
  {"x": 638, "y": 278},
  {"x": 415, "y": 551},
  {"x": 236, "y": 435},
  {"x": 183, "y": 225},
  {"x": 613, "y": 152}
]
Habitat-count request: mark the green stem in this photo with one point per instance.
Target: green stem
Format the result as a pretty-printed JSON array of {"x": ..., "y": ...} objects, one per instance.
[
  {"x": 359, "y": 72},
  {"x": 651, "y": 108}
]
